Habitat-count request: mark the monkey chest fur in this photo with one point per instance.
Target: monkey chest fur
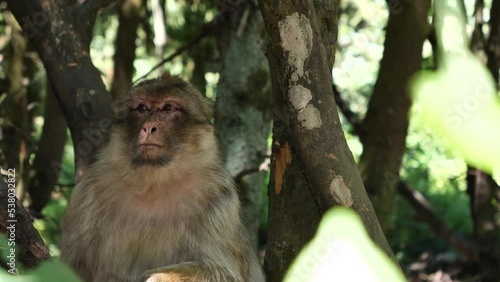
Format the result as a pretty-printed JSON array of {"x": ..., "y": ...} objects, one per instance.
[{"x": 140, "y": 233}]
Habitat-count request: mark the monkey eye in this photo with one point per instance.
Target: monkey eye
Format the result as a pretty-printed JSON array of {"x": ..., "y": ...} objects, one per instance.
[
  {"x": 142, "y": 108},
  {"x": 169, "y": 108}
]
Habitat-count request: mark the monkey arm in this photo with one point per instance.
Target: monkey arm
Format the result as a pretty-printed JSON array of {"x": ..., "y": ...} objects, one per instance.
[
  {"x": 217, "y": 264},
  {"x": 218, "y": 245},
  {"x": 187, "y": 272}
]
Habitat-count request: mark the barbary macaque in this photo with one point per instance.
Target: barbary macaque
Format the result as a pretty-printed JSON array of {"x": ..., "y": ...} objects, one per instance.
[{"x": 157, "y": 205}]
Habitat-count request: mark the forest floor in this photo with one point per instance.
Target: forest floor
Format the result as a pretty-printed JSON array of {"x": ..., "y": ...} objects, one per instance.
[{"x": 441, "y": 268}]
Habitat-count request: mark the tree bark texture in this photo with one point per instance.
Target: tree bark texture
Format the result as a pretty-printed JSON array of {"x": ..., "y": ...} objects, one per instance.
[
  {"x": 385, "y": 126},
  {"x": 243, "y": 113},
  {"x": 61, "y": 35},
  {"x": 312, "y": 166}
]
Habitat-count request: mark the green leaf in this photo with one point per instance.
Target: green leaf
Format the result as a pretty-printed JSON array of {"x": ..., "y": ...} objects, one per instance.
[
  {"x": 342, "y": 251},
  {"x": 459, "y": 99},
  {"x": 48, "y": 271},
  {"x": 54, "y": 271}
]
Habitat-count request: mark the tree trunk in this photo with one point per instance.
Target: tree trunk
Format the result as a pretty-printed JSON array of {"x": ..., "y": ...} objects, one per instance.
[
  {"x": 129, "y": 18},
  {"x": 243, "y": 113},
  {"x": 17, "y": 134},
  {"x": 61, "y": 34},
  {"x": 202, "y": 52},
  {"x": 312, "y": 166},
  {"x": 384, "y": 128},
  {"x": 493, "y": 45},
  {"x": 48, "y": 156},
  {"x": 484, "y": 193},
  {"x": 200, "y": 55}
]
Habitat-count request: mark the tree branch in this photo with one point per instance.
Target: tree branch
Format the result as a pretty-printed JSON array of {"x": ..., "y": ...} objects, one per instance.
[
  {"x": 206, "y": 30},
  {"x": 61, "y": 37},
  {"x": 423, "y": 209},
  {"x": 98, "y": 4},
  {"x": 87, "y": 12},
  {"x": 14, "y": 218},
  {"x": 351, "y": 116}
]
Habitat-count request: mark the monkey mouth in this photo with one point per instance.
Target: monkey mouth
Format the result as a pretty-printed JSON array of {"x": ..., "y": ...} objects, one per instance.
[
  {"x": 151, "y": 153},
  {"x": 149, "y": 150},
  {"x": 151, "y": 145}
]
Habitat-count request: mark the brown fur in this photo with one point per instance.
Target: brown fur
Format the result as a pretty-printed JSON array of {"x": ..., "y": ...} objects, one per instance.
[{"x": 173, "y": 214}]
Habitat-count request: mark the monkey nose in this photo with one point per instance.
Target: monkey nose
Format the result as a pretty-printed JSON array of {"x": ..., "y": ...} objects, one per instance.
[{"x": 149, "y": 128}]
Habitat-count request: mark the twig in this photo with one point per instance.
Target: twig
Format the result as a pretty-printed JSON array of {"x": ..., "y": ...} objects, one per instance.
[
  {"x": 264, "y": 166},
  {"x": 206, "y": 30},
  {"x": 21, "y": 132},
  {"x": 351, "y": 116},
  {"x": 243, "y": 21},
  {"x": 246, "y": 172}
]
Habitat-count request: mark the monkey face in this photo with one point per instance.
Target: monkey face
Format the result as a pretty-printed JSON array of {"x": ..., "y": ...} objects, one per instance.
[
  {"x": 156, "y": 129},
  {"x": 164, "y": 119}
]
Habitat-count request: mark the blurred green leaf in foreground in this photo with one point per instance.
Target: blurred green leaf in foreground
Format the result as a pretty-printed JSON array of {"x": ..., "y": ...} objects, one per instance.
[
  {"x": 48, "y": 271},
  {"x": 459, "y": 99},
  {"x": 342, "y": 251}
]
